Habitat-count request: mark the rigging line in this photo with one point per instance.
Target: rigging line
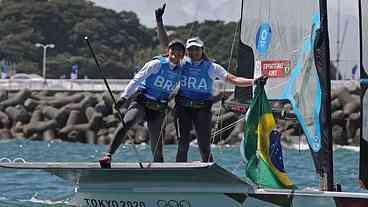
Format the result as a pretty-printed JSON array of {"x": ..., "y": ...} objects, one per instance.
[
  {"x": 163, "y": 125},
  {"x": 191, "y": 30},
  {"x": 269, "y": 11},
  {"x": 238, "y": 166},
  {"x": 232, "y": 48},
  {"x": 229, "y": 126},
  {"x": 220, "y": 114},
  {"x": 190, "y": 34},
  {"x": 162, "y": 132},
  {"x": 220, "y": 111}
]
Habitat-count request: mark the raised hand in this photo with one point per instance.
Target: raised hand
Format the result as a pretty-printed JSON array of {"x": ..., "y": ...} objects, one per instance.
[{"x": 160, "y": 12}]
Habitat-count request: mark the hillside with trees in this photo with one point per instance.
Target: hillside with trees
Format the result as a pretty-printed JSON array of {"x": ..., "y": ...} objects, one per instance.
[{"x": 121, "y": 43}]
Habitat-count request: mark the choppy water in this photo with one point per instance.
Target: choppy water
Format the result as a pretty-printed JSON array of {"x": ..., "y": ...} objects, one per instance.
[{"x": 38, "y": 188}]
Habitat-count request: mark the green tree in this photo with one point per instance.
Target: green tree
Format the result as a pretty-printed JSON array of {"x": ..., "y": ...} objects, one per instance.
[{"x": 120, "y": 42}]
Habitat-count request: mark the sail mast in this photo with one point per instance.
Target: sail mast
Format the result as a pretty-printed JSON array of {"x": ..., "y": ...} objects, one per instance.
[
  {"x": 245, "y": 63},
  {"x": 322, "y": 61},
  {"x": 363, "y": 160}
]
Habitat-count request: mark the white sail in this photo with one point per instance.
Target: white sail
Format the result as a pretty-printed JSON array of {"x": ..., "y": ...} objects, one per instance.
[{"x": 282, "y": 40}]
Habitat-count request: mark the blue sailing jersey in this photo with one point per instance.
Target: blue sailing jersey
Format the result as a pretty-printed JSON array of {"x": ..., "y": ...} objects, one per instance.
[
  {"x": 195, "y": 82},
  {"x": 158, "y": 86}
]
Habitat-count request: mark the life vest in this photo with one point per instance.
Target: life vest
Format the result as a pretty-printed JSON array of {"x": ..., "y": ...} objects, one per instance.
[
  {"x": 158, "y": 86},
  {"x": 195, "y": 82}
]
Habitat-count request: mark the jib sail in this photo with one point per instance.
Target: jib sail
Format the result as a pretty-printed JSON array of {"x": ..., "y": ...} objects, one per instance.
[{"x": 291, "y": 47}]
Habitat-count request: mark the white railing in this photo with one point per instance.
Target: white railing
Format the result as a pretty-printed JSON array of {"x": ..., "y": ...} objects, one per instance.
[
  {"x": 97, "y": 85},
  {"x": 62, "y": 84}
]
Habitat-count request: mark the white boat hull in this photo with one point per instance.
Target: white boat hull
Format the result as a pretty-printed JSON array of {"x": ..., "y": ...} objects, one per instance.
[
  {"x": 154, "y": 199},
  {"x": 257, "y": 199},
  {"x": 179, "y": 185}
]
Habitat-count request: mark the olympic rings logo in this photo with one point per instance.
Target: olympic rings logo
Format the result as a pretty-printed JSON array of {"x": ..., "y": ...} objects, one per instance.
[{"x": 173, "y": 203}]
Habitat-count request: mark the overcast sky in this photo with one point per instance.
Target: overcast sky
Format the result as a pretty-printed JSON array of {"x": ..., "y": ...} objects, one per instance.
[{"x": 179, "y": 12}]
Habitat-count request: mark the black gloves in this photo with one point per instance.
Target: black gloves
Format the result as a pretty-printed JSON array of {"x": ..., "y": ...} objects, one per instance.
[
  {"x": 120, "y": 103},
  {"x": 261, "y": 80},
  {"x": 159, "y": 13}
]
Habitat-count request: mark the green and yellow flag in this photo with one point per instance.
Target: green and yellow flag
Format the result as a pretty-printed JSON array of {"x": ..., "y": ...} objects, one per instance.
[{"x": 261, "y": 145}]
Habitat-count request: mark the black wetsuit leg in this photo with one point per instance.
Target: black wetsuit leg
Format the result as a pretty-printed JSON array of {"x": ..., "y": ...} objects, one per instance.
[
  {"x": 135, "y": 113},
  {"x": 156, "y": 133},
  {"x": 202, "y": 125},
  {"x": 183, "y": 124}
]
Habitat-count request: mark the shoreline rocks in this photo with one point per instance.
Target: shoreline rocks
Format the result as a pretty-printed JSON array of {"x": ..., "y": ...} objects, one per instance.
[{"x": 89, "y": 118}]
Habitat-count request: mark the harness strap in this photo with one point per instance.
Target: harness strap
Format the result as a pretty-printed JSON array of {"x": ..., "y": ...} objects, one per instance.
[
  {"x": 152, "y": 104},
  {"x": 193, "y": 103}
]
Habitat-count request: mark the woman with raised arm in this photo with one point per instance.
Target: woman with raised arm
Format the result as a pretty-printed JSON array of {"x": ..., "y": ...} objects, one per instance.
[{"x": 194, "y": 98}]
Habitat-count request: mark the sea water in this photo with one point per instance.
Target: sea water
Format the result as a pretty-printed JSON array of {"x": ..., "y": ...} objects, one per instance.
[{"x": 38, "y": 188}]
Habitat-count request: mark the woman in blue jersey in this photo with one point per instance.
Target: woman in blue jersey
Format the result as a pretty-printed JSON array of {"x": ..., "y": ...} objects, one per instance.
[
  {"x": 193, "y": 101},
  {"x": 154, "y": 83}
]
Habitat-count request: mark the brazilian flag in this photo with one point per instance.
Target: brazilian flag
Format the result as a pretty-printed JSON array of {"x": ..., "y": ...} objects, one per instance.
[{"x": 261, "y": 145}]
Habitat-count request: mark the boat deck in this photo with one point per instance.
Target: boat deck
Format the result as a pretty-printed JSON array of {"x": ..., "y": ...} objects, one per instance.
[{"x": 95, "y": 165}]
